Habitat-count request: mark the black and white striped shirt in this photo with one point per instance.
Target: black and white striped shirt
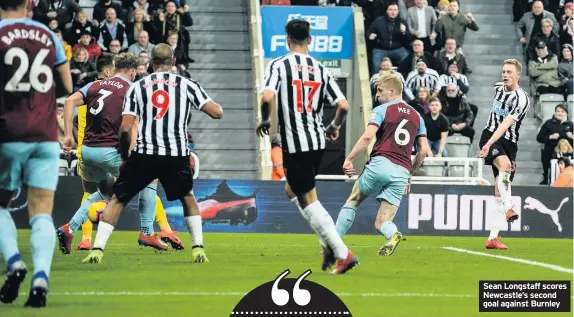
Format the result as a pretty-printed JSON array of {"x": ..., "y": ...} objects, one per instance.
[
  {"x": 445, "y": 80},
  {"x": 508, "y": 103},
  {"x": 415, "y": 81},
  {"x": 302, "y": 86},
  {"x": 163, "y": 102}
]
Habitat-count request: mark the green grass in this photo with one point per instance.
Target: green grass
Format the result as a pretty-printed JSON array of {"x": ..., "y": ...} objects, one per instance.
[{"x": 241, "y": 262}]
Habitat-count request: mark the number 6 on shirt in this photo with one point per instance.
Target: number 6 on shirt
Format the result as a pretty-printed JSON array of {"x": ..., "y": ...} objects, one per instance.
[
  {"x": 160, "y": 100},
  {"x": 299, "y": 85}
]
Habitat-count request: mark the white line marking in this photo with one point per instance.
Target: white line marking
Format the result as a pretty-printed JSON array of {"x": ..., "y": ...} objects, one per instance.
[{"x": 502, "y": 257}]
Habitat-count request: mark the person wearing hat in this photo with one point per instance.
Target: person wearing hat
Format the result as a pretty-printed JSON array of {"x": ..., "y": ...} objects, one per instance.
[
  {"x": 89, "y": 43},
  {"x": 543, "y": 71},
  {"x": 547, "y": 36},
  {"x": 422, "y": 76},
  {"x": 551, "y": 132},
  {"x": 565, "y": 70}
]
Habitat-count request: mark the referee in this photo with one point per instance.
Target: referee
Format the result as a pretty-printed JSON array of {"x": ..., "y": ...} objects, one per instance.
[
  {"x": 303, "y": 86},
  {"x": 163, "y": 102}
]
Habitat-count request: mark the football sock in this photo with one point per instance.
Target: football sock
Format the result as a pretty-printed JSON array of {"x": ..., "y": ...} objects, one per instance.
[
  {"x": 345, "y": 219},
  {"x": 323, "y": 224},
  {"x": 388, "y": 229},
  {"x": 8, "y": 238},
  {"x": 103, "y": 234},
  {"x": 81, "y": 215},
  {"x": 161, "y": 216},
  {"x": 296, "y": 202},
  {"x": 194, "y": 226},
  {"x": 43, "y": 243},
  {"x": 87, "y": 226},
  {"x": 147, "y": 208},
  {"x": 504, "y": 189},
  {"x": 499, "y": 218}
]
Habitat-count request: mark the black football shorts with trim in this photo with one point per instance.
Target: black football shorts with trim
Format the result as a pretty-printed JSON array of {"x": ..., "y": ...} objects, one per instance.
[
  {"x": 499, "y": 148},
  {"x": 301, "y": 169}
]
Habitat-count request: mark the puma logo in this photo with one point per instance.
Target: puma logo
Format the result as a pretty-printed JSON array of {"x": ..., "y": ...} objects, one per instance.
[{"x": 534, "y": 204}]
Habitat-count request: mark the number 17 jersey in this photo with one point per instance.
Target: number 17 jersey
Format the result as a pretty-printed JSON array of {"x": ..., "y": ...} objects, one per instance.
[
  {"x": 399, "y": 125},
  {"x": 104, "y": 103}
]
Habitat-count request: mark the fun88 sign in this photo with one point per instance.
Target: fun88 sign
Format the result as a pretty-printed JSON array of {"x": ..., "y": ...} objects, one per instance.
[{"x": 331, "y": 30}]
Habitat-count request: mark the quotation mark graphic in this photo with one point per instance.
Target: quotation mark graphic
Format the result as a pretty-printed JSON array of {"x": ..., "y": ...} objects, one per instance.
[{"x": 280, "y": 297}]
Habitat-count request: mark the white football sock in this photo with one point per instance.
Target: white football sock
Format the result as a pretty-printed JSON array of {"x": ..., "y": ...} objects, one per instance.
[
  {"x": 104, "y": 232},
  {"x": 323, "y": 224},
  {"x": 296, "y": 202},
  {"x": 194, "y": 226},
  {"x": 505, "y": 190},
  {"x": 499, "y": 218}
]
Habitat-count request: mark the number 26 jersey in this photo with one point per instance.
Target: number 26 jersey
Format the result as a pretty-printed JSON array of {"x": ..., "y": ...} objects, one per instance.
[{"x": 104, "y": 101}]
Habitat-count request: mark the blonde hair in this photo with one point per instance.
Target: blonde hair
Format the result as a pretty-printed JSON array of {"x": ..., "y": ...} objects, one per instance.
[
  {"x": 563, "y": 141},
  {"x": 391, "y": 80},
  {"x": 136, "y": 11},
  {"x": 514, "y": 62},
  {"x": 82, "y": 49}
]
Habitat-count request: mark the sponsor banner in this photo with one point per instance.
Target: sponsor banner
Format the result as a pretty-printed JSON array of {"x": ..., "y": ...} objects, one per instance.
[
  {"x": 262, "y": 207},
  {"x": 469, "y": 211},
  {"x": 331, "y": 30}
]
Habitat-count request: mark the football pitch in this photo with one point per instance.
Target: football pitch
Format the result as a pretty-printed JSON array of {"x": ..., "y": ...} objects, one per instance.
[{"x": 422, "y": 279}]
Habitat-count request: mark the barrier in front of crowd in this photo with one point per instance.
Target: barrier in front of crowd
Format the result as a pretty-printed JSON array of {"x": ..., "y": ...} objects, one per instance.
[
  {"x": 554, "y": 170},
  {"x": 261, "y": 207}
]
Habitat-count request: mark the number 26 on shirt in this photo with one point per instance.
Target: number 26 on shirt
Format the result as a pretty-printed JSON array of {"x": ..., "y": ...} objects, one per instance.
[{"x": 299, "y": 86}]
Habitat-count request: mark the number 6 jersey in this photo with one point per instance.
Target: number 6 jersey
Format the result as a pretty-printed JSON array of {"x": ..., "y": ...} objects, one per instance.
[
  {"x": 29, "y": 55},
  {"x": 302, "y": 86},
  {"x": 104, "y": 103},
  {"x": 399, "y": 126}
]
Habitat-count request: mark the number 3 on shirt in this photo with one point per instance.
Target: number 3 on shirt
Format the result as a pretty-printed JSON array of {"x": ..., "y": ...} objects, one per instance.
[
  {"x": 160, "y": 100},
  {"x": 299, "y": 85},
  {"x": 402, "y": 136}
]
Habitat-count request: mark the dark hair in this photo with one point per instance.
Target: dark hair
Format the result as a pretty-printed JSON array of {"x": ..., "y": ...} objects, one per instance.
[
  {"x": 298, "y": 31},
  {"x": 104, "y": 61},
  {"x": 565, "y": 160},
  {"x": 433, "y": 99},
  {"x": 12, "y": 4},
  {"x": 57, "y": 31},
  {"x": 562, "y": 106},
  {"x": 126, "y": 61}
]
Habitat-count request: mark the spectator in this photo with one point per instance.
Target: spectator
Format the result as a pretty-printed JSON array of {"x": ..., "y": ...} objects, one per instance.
[
  {"x": 144, "y": 58},
  {"x": 422, "y": 76},
  {"x": 142, "y": 70},
  {"x": 38, "y": 11},
  {"x": 566, "y": 17},
  {"x": 530, "y": 24},
  {"x": 144, "y": 6},
  {"x": 112, "y": 29},
  {"x": 79, "y": 28},
  {"x": 277, "y": 158},
  {"x": 454, "y": 25},
  {"x": 88, "y": 42},
  {"x": 391, "y": 37},
  {"x": 567, "y": 33},
  {"x": 115, "y": 47},
  {"x": 53, "y": 25},
  {"x": 544, "y": 71},
  {"x": 181, "y": 58},
  {"x": 566, "y": 177},
  {"x": 441, "y": 8},
  {"x": 62, "y": 11},
  {"x": 142, "y": 44},
  {"x": 174, "y": 20},
  {"x": 422, "y": 102},
  {"x": 83, "y": 71},
  {"x": 458, "y": 112},
  {"x": 409, "y": 63},
  {"x": 563, "y": 149},
  {"x": 454, "y": 77},
  {"x": 139, "y": 24},
  {"x": 565, "y": 70},
  {"x": 559, "y": 127},
  {"x": 448, "y": 55},
  {"x": 386, "y": 68},
  {"x": 421, "y": 21},
  {"x": 437, "y": 129},
  {"x": 101, "y": 11},
  {"x": 547, "y": 36},
  {"x": 67, "y": 47},
  {"x": 338, "y": 3}
]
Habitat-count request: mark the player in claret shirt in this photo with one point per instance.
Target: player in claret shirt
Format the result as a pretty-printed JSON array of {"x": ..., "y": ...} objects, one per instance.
[{"x": 396, "y": 126}]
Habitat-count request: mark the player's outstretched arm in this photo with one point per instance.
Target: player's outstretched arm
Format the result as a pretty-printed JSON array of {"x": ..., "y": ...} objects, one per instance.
[
  {"x": 72, "y": 102},
  {"x": 359, "y": 147},
  {"x": 267, "y": 101},
  {"x": 502, "y": 128},
  {"x": 213, "y": 110}
]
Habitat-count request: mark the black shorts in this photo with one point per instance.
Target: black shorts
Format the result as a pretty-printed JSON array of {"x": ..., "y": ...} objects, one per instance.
[
  {"x": 301, "y": 169},
  {"x": 499, "y": 148},
  {"x": 174, "y": 173}
]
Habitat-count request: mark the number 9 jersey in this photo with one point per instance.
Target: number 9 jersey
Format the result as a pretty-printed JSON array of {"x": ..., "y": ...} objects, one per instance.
[
  {"x": 29, "y": 56},
  {"x": 399, "y": 126},
  {"x": 104, "y": 101}
]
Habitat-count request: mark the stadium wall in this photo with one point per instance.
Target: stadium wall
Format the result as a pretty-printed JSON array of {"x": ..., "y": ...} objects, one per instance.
[{"x": 261, "y": 207}]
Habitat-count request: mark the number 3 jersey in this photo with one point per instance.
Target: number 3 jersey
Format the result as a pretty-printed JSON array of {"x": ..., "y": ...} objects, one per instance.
[
  {"x": 104, "y": 104},
  {"x": 399, "y": 125},
  {"x": 303, "y": 86},
  {"x": 29, "y": 55}
]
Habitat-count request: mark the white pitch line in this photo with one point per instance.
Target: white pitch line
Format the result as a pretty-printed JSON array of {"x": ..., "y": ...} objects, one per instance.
[{"x": 518, "y": 260}]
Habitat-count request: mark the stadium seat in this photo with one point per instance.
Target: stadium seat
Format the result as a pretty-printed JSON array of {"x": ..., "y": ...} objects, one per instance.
[
  {"x": 456, "y": 169},
  {"x": 570, "y": 101},
  {"x": 434, "y": 168},
  {"x": 458, "y": 146},
  {"x": 547, "y": 104},
  {"x": 63, "y": 167}
]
